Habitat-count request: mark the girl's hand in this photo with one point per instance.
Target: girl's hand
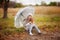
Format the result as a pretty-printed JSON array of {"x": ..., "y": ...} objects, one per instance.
[{"x": 30, "y": 22}]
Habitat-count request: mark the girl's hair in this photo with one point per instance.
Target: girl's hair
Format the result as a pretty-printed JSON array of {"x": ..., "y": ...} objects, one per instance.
[{"x": 29, "y": 19}]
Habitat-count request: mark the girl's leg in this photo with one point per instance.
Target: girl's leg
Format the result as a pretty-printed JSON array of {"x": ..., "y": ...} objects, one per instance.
[
  {"x": 36, "y": 28},
  {"x": 27, "y": 26},
  {"x": 30, "y": 29}
]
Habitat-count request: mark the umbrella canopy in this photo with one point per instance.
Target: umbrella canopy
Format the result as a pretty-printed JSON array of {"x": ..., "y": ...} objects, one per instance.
[{"x": 23, "y": 14}]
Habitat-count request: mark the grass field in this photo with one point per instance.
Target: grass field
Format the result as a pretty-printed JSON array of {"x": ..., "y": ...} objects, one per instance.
[
  {"x": 43, "y": 15},
  {"x": 46, "y": 18}
]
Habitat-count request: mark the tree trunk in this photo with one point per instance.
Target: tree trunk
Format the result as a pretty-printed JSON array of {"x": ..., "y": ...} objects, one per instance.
[
  {"x": 5, "y": 13},
  {"x": 5, "y": 8}
]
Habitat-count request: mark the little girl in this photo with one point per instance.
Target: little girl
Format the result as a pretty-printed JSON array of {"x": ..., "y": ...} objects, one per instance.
[{"x": 30, "y": 24}]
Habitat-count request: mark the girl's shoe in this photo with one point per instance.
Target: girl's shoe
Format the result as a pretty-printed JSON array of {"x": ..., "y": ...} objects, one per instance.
[{"x": 31, "y": 34}]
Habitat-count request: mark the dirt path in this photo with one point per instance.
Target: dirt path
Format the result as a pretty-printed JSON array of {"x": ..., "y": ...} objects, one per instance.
[{"x": 36, "y": 36}]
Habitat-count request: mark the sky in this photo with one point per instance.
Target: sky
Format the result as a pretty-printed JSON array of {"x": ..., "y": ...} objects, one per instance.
[{"x": 33, "y": 2}]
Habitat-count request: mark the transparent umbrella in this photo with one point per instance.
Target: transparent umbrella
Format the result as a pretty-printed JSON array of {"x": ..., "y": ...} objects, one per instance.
[{"x": 22, "y": 14}]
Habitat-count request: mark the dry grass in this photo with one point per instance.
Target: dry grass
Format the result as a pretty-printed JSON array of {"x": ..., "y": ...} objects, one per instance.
[
  {"x": 47, "y": 10},
  {"x": 39, "y": 10},
  {"x": 43, "y": 15}
]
